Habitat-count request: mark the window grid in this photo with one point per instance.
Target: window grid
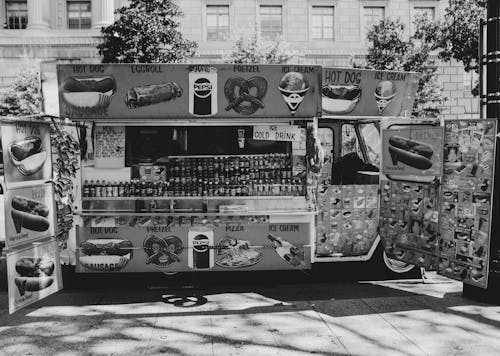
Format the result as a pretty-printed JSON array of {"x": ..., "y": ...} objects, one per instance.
[
  {"x": 17, "y": 14},
  {"x": 372, "y": 16},
  {"x": 79, "y": 14},
  {"x": 424, "y": 10},
  {"x": 217, "y": 22},
  {"x": 322, "y": 22},
  {"x": 271, "y": 22}
]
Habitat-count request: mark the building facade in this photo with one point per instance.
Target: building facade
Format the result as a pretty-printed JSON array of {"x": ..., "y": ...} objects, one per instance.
[{"x": 326, "y": 32}]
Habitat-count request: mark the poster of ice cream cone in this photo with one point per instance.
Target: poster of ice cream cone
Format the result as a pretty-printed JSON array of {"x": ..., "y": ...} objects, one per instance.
[
  {"x": 293, "y": 88},
  {"x": 29, "y": 214},
  {"x": 26, "y": 152},
  {"x": 33, "y": 273},
  {"x": 358, "y": 92}
]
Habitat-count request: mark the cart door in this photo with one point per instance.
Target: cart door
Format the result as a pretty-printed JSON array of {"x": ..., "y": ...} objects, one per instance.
[
  {"x": 346, "y": 227},
  {"x": 439, "y": 214}
]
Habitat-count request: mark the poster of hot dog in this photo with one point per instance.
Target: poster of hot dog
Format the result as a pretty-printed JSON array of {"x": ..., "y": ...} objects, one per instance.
[
  {"x": 33, "y": 274},
  {"x": 413, "y": 151},
  {"x": 26, "y": 152},
  {"x": 29, "y": 214},
  {"x": 358, "y": 92}
]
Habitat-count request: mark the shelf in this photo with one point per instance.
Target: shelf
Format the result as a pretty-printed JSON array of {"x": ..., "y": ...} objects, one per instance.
[
  {"x": 245, "y": 213},
  {"x": 264, "y": 197}
]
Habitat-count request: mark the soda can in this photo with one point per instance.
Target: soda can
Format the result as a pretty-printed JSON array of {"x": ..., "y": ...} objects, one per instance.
[{"x": 201, "y": 255}]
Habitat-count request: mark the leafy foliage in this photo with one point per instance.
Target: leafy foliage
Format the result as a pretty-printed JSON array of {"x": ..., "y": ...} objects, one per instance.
[
  {"x": 458, "y": 34},
  {"x": 146, "y": 32},
  {"x": 252, "y": 49},
  {"x": 24, "y": 96},
  {"x": 388, "y": 50}
]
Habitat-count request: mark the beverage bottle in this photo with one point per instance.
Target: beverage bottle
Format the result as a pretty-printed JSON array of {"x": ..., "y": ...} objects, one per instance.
[
  {"x": 149, "y": 189},
  {"x": 94, "y": 189},
  {"x": 121, "y": 189},
  {"x": 126, "y": 189},
  {"x": 161, "y": 189},
  {"x": 86, "y": 189},
  {"x": 114, "y": 188},
  {"x": 143, "y": 188}
]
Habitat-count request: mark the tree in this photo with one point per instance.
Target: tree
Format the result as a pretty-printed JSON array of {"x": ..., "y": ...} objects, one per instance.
[
  {"x": 459, "y": 32},
  {"x": 388, "y": 50},
  {"x": 252, "y": 49},
  {"x": 24, "y": 96},
  {"x": 146, "y": 32}
]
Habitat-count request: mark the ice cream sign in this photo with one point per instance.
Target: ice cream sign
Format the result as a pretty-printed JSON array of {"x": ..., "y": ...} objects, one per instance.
[
  {"x": 188, "y": 91},
  {"x": 355, "y": 92}
]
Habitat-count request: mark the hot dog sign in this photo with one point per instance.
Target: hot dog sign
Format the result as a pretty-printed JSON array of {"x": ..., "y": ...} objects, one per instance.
[
  {"x": 412, "y": 151},
  {"x": 29, "y": 214},
  {"x": 128, "y": 91}
]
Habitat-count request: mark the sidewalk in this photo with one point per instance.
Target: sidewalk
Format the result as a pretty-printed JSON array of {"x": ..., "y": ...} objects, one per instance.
[{"x": 344, "y": 318}]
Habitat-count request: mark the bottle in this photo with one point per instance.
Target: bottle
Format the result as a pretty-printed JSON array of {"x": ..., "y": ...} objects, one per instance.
[
  {"x": 109, "y": 189},
  {"x": 126, "y": 189},
  {"x": 149, "y": 189},
  {"x": 86, "y": 189},
  {"x": 114, "y": 188},
  {"x": 121, "y": 189},
  {"x": 143, "y": 188}
]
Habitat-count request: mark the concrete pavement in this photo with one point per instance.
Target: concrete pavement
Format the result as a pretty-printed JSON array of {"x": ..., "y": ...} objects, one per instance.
[{"x": 398, "y": 317}]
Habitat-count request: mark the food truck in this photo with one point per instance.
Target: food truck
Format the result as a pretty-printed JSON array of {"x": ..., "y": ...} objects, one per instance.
[{"x": 229, "y": 167}]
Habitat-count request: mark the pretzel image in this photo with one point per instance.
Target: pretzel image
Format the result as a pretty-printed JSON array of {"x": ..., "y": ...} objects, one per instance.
[{"x": 245, "y": 96}]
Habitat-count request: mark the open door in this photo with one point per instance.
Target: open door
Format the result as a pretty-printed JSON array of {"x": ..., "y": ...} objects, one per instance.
[
  {"x": 436, "y": 195},
  {"x": 347, "y": 192}
]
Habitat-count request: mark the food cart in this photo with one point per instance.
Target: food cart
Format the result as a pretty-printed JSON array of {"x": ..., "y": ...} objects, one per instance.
[{"x": 195, "y": 167}]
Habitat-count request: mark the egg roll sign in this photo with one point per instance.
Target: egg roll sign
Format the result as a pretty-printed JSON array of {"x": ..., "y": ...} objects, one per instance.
[{"x": 26, "y": 152}]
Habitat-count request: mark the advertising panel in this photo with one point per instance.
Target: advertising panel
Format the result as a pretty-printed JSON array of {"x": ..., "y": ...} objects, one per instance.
[
  {"x": 467, "y": 186},
  {"x": 291, "y": 133},
  {"x": 26, "y": 152},
  {"x": 185, "y": 244},
  {"x": 128, "y": 91},
  {"x": 29, "y": 214},
  {"x": 357, "y": 92},
  {"x": 414, "y": 150},
  {"x": 33, "y": 273}
]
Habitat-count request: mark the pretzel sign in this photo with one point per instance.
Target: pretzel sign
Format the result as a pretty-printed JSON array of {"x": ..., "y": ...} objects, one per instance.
[{"x": 245, "y": 96}]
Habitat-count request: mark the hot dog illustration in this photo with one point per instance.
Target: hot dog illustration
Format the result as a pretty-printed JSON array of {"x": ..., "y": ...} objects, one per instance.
[
  {"x": 34, "y": 274},
  {"x": 27, "y": 155},
  {"x": 105, "y": 254},
  {"x": 88, "y": 92},
  {"x": 30, "y": 214},
  {"x": 152, "y": 94},
  {"x": 412, "y": 153},
  {"x": 340, "y": 99}
]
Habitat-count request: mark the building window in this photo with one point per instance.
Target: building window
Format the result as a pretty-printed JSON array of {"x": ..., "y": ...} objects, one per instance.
[
  {"x": 17, "y": 14},
  {"x": 217, "y": 23},
  {"x": 372, "y": 16},
  {"x": 322, "y": 22},
  {"x": 271, "y": 22},
  {"x": 79, "y": 15},
  {"x": 424, "y": 11}
]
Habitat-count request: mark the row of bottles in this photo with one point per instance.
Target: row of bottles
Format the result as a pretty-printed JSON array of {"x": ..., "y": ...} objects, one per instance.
[{"x": 180, "y": 187}]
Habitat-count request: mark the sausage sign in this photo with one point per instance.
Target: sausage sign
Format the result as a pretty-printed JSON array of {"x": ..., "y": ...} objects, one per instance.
[{"x": 412, "y": 151}]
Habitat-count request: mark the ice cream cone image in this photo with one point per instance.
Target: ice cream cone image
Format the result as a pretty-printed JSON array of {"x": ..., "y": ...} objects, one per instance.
[
  {"x": 384, "y": 93},
  {"x": 293, "y": 87}
]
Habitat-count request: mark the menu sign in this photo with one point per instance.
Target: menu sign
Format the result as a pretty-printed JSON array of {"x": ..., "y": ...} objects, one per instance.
[
  {"x": 26, "y": 152},
  {"x": 412, "y": 150},
  {"x": 467, "y": 195},
  {"x": 357, "y": 92},
  {"x": 33, "y": 273},
  {"x": 109, "y": 148},
  {"x": 279, "y": 133},
  {"x": 129, "y": 91},
  {"x": 29, "y": 214}
]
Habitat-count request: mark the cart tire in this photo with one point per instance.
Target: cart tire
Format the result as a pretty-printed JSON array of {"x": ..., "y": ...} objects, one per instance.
[{"x": 395, "y": 266}]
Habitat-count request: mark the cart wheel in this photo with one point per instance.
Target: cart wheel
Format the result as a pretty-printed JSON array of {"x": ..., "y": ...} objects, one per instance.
[{"x": 396, "y": 266}]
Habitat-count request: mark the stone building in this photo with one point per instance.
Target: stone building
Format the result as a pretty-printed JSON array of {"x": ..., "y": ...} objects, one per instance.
[{"x": 326, "y": 32}]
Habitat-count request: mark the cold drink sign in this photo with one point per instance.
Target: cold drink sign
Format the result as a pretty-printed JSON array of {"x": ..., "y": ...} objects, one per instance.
[{"x": 278, "y": 133}]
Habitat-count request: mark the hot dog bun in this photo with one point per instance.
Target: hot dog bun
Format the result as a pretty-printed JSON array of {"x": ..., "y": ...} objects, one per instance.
[
  {"x": 410, "y": 159},
  {"x": 29, "y": 221},
  {"x": 26, "y": 147},
  {"x": 27, "y": 155},
  {"x": 406, "y": 144},
  {"x": 29, "y": 205},
  {"x": 32, "y": 284},
  {"x": 88, "y": 92},
  {"x": 340, "y": 99},
  {"x": 105, "y": 254}
]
